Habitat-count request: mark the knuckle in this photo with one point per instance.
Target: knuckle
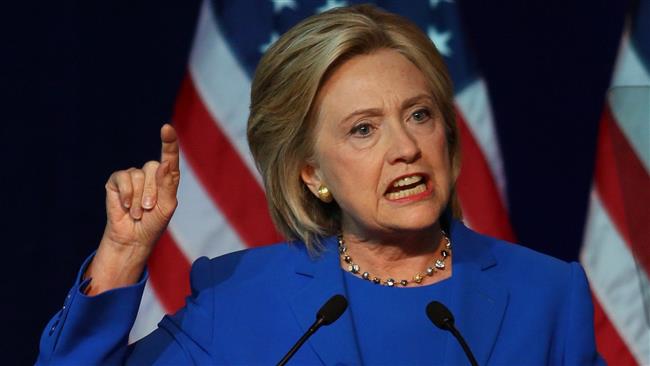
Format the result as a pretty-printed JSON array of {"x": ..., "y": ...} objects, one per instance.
[
  {"x": 121, "y": 175},
  {"x": 126, "y": 189},
  {"x": 137, "y": 175},
  {"x": 151, "y": 165}
]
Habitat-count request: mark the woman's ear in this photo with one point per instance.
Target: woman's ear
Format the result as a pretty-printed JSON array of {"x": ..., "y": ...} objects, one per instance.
[{"x": 310, "y": 177}]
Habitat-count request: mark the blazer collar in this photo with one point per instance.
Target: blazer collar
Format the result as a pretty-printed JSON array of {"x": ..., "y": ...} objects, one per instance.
[
  {"x": 335, "y": 343},
  {"x": 478, "y": 303}
]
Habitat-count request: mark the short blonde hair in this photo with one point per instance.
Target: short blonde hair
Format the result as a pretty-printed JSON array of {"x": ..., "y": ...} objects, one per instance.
[{"x": 286, "y": 82}]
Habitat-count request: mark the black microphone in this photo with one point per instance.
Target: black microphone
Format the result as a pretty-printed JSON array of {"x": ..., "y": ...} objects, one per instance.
[
  {"x": 442, "y": 318},
  {"x": 328, "y": 314}
]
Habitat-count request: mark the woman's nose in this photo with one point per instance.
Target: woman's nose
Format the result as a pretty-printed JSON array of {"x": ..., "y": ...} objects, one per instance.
[{"x": 402, "y": 145}]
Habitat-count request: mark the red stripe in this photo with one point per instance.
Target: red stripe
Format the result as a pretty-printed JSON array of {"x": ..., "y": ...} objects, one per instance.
[
  {"x": 609, "y": 343},
  {"x": 477, "y": 191},
  {"x": 169, "y": 273},
  {"x": 221, "y": 170},
  {"x": 624, "y": 188}
]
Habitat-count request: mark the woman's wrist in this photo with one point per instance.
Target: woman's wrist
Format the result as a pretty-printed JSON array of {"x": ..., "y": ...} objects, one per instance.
[{"x": 115, "y": 265}]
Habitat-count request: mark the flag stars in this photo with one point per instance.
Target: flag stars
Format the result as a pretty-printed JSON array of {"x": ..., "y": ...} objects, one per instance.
[
  {"x": 440, "y": 39},
  {"x": 278, "y": 5},
  {"x": 272, "y": 40},
  {"x": 434, "y": 3},
  {"x": 331, "y": 4}
]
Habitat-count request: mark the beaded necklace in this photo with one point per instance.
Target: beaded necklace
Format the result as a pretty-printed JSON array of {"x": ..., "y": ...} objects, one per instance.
[{"x": 354, "y": 268}]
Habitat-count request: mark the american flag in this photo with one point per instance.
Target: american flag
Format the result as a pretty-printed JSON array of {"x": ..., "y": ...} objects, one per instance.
[
  {"x": 616, "y": 248},
  {"x": 221, "y": 199}
]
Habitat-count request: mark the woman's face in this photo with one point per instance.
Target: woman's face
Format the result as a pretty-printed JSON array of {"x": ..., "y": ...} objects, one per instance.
[{"x": 380, "y": 146}]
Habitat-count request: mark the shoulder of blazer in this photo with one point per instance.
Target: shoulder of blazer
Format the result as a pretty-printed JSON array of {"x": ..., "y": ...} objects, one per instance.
[
  {"x": 265, "y": 264},
  {"x": 515, "y": 263}
]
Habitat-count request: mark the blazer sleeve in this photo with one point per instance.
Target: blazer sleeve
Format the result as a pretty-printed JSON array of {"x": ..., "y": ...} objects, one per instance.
[
  {"x": 580, "y": 343},
  {"x": 94, "y": 330}
]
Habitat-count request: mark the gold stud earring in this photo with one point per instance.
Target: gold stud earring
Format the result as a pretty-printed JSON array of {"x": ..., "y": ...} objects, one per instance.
[{"x": 324, "y": 194}]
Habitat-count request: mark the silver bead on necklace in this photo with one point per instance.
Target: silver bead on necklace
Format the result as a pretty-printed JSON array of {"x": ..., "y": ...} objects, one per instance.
[{"x": 438, "y": 264}]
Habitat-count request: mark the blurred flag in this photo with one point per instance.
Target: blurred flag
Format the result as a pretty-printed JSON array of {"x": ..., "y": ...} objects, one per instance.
[
  {"x": 221, "y": 201},
  {"x": 616, "y": 248}
]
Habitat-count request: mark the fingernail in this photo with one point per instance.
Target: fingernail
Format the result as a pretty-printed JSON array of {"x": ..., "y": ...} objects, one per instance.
[
  {"x": 147, "y": 202},
  {"x": 127, "y": 203}
]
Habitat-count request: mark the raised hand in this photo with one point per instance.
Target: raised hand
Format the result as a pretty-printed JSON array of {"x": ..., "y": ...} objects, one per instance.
[{"x": 139, "y": 205}]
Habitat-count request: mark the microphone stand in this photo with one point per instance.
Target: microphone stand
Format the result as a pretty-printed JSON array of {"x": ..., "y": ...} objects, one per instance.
[
  {"x": 312, "y": 329},
  {"x": 463, "y": 344}
]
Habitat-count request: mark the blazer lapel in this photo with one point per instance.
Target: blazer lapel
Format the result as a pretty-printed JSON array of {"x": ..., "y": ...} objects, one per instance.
[
  {"x": 335, "y": 343},
  {"x": 478, "y": 303}
]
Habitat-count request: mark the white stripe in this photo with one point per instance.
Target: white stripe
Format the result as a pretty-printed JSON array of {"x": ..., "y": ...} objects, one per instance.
[
  {"x": 149, "y": 314},
  {"x": 630, "y": 107},
  {"x": 629, "y": 69},
  {"x": 616, "y": 280},
  {"x": 198, "y": 227},
  {"x": 474, "y": 104},
  {"x": 629, "y": 99},
  {"x": 221, "y": 82}
]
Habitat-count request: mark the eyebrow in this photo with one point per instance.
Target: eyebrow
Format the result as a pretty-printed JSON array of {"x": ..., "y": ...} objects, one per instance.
[
  {"x": 361, "y": 112},
  {"x": 413, "y": 100},
  {"x": 377, "y": 111}
]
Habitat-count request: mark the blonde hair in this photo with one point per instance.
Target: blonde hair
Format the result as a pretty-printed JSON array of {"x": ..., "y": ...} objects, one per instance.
[{"x": 286, "y": 82}]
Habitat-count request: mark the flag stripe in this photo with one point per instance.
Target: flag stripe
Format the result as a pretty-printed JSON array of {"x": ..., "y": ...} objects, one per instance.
[
  {"x": 608, "y": 340},
  {"x": 630, "y": 70},
  {"x": 482, "y": 207},
  {"x": 474, "y": 103},
  {"x": 169, "y": 273},
  {"x": 624, "y": 186},
  {"x": 149, "y": 314},
  {"x": 615, "y": 232},
  {"x": 630, "y": 106},
  {"x": 615, "y": 279},
  {"x": 221, "y": 170},
  {"x": 199, "y": 227},
  {"x": 222, "y": 83}
]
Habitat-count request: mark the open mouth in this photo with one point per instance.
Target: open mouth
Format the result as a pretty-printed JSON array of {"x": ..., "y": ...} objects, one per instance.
[{"x": 406, "y": 186}]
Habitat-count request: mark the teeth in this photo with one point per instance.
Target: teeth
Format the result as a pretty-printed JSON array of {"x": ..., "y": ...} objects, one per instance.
[
  {"x": 407, "y": 192},
  {"x": 407, "y": 181}
]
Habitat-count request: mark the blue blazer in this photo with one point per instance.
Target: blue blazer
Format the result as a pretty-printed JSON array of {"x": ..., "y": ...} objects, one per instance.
[{"x": 514, "y": 307}]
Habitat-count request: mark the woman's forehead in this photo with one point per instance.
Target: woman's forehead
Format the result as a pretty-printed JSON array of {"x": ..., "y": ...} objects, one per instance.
[{"x": 369, "y": 81}]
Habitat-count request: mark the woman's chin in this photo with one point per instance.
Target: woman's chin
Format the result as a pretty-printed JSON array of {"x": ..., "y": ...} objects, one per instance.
[
  {"x": 414, "y": 221},
  {"x": 417, "y": 215}
]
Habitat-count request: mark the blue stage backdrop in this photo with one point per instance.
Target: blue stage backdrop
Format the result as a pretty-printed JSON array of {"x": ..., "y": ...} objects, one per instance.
[{"x": 87, "y": 85}]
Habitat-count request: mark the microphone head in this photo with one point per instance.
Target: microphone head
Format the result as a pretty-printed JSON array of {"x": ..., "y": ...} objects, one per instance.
[
  {"x": 440, "y": 315},
  {"x": 332, "y": 309}
]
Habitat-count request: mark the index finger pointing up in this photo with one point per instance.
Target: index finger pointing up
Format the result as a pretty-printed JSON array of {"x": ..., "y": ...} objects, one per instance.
[{"x": 169, "y": 147}]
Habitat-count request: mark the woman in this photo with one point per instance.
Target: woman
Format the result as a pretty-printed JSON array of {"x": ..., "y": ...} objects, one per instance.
[{"x": 352, "y": 128}]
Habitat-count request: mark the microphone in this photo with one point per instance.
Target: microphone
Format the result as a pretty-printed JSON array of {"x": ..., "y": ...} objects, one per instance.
[
  {"x": 328, "y": 314},
  {"x": 442, "y": 318}
]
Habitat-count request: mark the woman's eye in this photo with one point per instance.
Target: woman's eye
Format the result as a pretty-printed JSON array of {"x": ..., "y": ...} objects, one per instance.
[
  {"x": 421, "y": 115},
  {"x": 362, "y": 129}
]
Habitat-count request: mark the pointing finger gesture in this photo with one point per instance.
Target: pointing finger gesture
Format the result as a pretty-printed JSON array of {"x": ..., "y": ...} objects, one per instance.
[{"x": 139, "y": 205}]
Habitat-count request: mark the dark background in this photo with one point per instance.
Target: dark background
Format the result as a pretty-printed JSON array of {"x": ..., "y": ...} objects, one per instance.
[{"x": 87, "y": 85}]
